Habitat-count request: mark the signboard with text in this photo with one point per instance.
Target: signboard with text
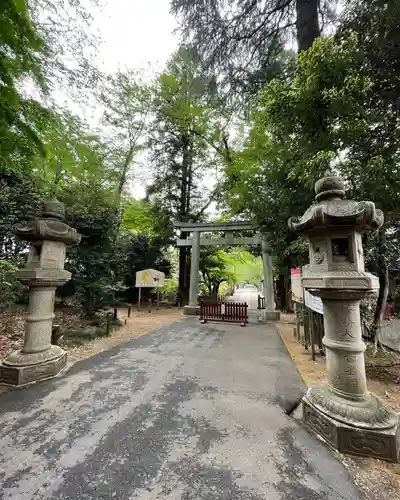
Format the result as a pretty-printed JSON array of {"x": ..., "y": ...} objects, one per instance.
[
  {"x": 150, "y": 278},
  {"x": 300, "y": 295},
  {"x": 313, "y": 303}
]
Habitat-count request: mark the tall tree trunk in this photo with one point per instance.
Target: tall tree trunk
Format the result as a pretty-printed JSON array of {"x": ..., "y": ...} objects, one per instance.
[
  {"x": 88, "y": 305},
  {"x": 383, "y": 275},
  {"x": 307, "y": 25},
  {"x": 184, "y": 211},
  {"x": 121, "y": 184},
  {"x": 216, "y": 289},
  {"x": 283, "y": 290},
  {"x": 281, "y": 295},
  {"x": 125, "y": 169}
]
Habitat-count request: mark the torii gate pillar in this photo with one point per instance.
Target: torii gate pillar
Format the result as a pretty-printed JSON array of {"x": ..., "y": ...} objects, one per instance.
[
  {"x": 269, "y": 313},
  {"x": 192, "y": 308}
]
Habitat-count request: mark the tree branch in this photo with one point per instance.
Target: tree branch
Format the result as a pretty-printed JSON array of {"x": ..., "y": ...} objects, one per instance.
[{"x": 264, "y": 22}]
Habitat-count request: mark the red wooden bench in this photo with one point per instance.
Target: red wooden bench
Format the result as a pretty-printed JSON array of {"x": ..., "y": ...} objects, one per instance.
[{"x": 232, "y": 312}]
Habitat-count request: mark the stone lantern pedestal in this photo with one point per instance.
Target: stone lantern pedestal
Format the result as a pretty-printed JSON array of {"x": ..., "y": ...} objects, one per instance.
[
  {"x": 343, "y": 411},
  {"x": 44, "y": 272}
]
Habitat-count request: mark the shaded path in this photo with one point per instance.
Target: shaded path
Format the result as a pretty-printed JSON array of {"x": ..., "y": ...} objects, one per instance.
[{"x": 188, "y": 412}]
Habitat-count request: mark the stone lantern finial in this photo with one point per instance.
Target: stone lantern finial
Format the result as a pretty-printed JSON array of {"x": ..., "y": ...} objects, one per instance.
[
  {"x": 48, "y": 236},
  {"x": 352, "y": 419},
  {"x": 330, "y": 187}
]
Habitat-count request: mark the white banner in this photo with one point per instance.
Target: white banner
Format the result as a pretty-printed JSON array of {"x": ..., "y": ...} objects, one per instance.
[
  {"x": 314, "y": 303},
  {"x": 150, "y": 278}
]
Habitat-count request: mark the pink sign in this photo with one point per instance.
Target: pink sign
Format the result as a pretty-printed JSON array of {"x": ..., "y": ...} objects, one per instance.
[{"x": 295, "y": 271}]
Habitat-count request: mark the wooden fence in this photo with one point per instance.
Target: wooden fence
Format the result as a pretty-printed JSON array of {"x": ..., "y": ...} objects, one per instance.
[
  {"x": 232, "y": 312},
  {"x": 309, "y": 329}
]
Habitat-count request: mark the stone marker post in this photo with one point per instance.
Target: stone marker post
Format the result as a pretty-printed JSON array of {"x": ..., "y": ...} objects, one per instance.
[
  {"x": 44, "y": 272},
  {"x": 342, "y": 411}
]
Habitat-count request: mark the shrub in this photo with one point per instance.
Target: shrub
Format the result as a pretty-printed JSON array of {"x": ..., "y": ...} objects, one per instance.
[{"x": 10, "y": 287}]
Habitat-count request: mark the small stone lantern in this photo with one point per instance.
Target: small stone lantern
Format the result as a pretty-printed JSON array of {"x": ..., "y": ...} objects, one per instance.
[
  {"x": 343, "y": 412},
  {"x": 44, "y": 272}
]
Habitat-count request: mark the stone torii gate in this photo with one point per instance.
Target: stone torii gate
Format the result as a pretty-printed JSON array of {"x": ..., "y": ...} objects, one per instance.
[{"x": 196, "y": 241}]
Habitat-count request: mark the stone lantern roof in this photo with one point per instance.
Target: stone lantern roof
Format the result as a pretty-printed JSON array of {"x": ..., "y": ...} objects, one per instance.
[
  {"x": 332, "y": 210},
  {"x": 49, "y": 226}
]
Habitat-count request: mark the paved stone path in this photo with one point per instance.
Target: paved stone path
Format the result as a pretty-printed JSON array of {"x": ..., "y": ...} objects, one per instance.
[
  {"x": 248, "y": 295},
  {"x": 187, "y": 412}
]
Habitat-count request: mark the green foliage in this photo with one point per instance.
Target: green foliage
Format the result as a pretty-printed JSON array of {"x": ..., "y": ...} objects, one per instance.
[
  {"x": 127, "y": 101},
  {"x": 20, "y": 46},
  {"x": 214, "y": 270},
  {"x": 334, "y": 110},
  {"x": 69, "y": 46},
  {"x": 339, "y": 112},
  {"x": 20, "y": 195},
  {"x": 170, "y": 289},
  {"x": 246, "y": 267},
  {"x": 144, "y": 252},
  {"x": 10, "y": 288},
  {"x": 74, "y": 154},
  {"x": 145, "y": 218},
  {"x": 229, "y": 268},
  {"x": 367, "y": 309},
  {"x": 95, "y": 263},
  {"x": 50, "y": 152},
  {"x": 260, "y": 185},
  {"x": 185, "y": 146},
  {"x": 137, "y": 217},
  {"x": 97, "y": 328}
]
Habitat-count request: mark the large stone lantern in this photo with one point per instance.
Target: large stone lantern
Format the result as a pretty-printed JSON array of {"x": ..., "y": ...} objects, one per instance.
[
  {"x": 342, "y": 411},
  {"x": 48, "y": 236}
]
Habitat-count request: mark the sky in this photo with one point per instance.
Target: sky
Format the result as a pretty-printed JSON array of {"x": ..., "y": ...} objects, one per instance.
[{"x": 135, "y": 33}]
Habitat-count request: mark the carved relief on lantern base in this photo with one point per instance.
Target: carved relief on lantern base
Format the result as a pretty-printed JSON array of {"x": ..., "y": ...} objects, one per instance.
[
  {"x": 28, "y": 373},
  {"x": 366, "y": 442},
  {"x": 369, "y": 412},
  {"x": 23, "y": 358}
]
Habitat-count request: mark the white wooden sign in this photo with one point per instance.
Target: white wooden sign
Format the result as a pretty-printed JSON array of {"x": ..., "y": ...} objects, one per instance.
[
  {"x": 313, "y": 303},
  {"x": 150, "y": 278}
]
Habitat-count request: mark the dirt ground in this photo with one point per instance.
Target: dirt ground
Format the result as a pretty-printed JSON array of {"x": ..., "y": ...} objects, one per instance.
[
  {"x": 376, "y": 479},
  {"x": 138, "y": 324}
]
